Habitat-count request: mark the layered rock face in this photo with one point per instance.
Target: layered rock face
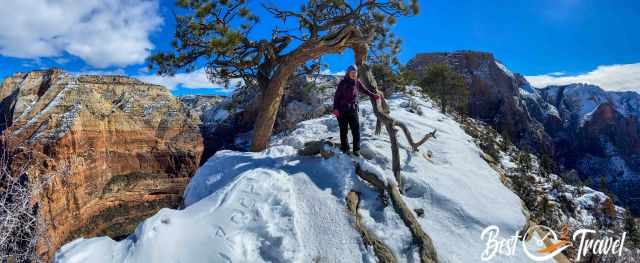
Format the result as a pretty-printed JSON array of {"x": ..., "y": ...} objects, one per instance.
[
  {"x": 113, "y": 150},
  {"x": 582, "y": 127},
  {"x": 199, "y": 104}
]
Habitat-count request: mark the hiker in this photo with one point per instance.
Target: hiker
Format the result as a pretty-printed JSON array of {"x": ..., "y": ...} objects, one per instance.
[{"x": 345, "y": 108}]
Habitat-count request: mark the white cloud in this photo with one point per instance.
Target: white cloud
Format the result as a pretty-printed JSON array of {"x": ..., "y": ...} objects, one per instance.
[
  {"x": 61, "y": 60},
  {"x": 608, "y": 77},
  {"x": 193, "y": 80},
  {"x": 103, "y": 33},
  {"x": 101, "y": 72},
  {"x": 329, "y": 72},
  {"x": 558, "y": 73}
]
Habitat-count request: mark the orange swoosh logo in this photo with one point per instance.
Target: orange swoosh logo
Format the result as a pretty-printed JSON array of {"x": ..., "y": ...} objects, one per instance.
[{"x": 553, "y": 247}]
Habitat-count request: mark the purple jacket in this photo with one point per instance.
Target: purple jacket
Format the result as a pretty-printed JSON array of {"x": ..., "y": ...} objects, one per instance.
[{"x": 346, "y": 96}]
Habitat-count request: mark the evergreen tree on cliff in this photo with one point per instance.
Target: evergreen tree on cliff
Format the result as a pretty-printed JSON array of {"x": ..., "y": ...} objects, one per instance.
[
  {"x": 446, "y": 86},
  {"x": 219, "y": 33}
]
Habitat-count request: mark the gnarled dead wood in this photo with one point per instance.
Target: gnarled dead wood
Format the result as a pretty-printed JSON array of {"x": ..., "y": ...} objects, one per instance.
[
  {"x": 415, "y": 145},
  {"x": 383, "y": 253},
  {"x": 427, "y": 250},
  {"x": 383, "y": 117},
  {"x": 382, "y": 112},
  {"x": 372, "y": 179}
]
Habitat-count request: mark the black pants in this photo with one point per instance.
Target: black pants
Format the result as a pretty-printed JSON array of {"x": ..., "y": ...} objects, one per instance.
[{"x": 349, "y": 119}]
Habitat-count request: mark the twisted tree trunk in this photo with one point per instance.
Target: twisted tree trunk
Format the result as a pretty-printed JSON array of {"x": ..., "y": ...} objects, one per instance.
[
  {"x": 272, "y": 94},
  {"x": 381, "y": 110},
  {"x": 271, "y": 98}
]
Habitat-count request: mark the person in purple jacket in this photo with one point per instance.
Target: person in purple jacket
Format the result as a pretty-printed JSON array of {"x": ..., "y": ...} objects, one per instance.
[{"x": 345, "y": 108}]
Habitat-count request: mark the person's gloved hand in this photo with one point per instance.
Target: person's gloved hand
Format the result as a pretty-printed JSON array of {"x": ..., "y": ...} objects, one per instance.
[{"x": 336, "y": 113}]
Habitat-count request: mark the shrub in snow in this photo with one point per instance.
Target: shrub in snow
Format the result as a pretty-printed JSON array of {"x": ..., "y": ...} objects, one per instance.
[{"x": 19, "y": 226}]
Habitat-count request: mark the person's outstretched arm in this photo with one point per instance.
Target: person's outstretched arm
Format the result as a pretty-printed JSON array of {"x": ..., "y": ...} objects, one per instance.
[{"x": 366, "y": 90}]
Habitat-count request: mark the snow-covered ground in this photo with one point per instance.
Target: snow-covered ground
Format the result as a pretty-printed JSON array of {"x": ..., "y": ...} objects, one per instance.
[{"x": 278, "y": 206}]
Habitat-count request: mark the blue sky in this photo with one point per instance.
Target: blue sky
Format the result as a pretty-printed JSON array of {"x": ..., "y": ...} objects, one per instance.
[{"x": 550, "y": 42}]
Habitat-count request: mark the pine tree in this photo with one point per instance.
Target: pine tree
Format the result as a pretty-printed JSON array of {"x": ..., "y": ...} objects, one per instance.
[
  {"x": 546, "y": 164},
  {"x": 446, "y": 87},
  {"x": 580, "y": 188},
  {"x": 603, "y": 185},
  {"x": 630, "y": 226},
  {"x": 589, "y": 182},
  {"x": 523, "y": 160},
  {"x": 219, "y": 33},
  {"x": 543, "y": 208},
  {"x": 506, "y": 142}
]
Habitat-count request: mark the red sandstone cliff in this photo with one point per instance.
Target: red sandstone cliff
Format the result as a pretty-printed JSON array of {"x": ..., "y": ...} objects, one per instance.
[{"x": 116, "y": 150}]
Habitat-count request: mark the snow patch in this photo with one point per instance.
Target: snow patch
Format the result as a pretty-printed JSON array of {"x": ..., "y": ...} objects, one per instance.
[{"x": 504, "y": 69}]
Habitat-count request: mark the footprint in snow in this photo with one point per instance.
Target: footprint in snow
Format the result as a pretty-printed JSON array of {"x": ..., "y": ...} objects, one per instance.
[
  {"x": 220, "y": 232},
  {"x": 239, "y": 217},
  {"x": 225, "y": 257},
  {"x": 246, "y": 204},
  {"x": 251, "y": 191}
]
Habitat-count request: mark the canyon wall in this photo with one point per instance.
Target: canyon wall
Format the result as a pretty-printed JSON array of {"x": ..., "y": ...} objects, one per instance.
[{"x": 108, "y": 151}]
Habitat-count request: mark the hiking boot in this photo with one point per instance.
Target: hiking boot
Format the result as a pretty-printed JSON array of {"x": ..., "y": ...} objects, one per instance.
[{"x": 356, "y": 153}]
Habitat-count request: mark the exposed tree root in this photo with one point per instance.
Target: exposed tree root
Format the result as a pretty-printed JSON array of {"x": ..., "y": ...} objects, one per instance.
[
  {"x": 383, "y": 253},
  {"x": 372, "y": 179},
  {"x": 427, "y": 250},
  {"x": 390, "y": 190},
  {"x": 382, "y": 111}
]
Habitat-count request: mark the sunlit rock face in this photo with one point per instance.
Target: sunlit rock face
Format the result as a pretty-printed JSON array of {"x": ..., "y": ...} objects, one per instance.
[{"x": 115, "y": 150}]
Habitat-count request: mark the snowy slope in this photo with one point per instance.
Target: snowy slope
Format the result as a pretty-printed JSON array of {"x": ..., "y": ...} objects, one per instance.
[{"x": 277, "y": 206}]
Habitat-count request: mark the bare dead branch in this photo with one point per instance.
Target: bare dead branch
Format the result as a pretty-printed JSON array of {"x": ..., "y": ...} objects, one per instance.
[
  {"x": 407, "y": 133},
  {"x": 381, "y": 110}
]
